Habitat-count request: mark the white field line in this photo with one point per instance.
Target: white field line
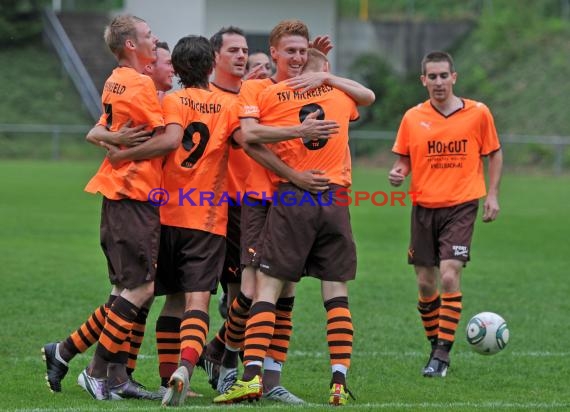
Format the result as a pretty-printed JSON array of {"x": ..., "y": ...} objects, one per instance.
[
  {"x": 365, "y": 406},
  {"x": 532, "y": 354}
]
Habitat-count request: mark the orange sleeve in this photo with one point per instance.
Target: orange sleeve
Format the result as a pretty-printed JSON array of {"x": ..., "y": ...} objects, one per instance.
[
  {"x": 490, "y": 140},
  {"x": 147, "y": 106},
  {"x": 248, "y": 101},
  {"x": 172, "y": 109},
  {"x": 354, "y": 115},
  {"x": 248, "y": 97}
]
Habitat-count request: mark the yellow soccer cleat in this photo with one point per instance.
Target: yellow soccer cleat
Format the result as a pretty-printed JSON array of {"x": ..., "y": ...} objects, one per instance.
[
  {"x": 241, "y": 391},
  {"x": 339, "y": 395}
]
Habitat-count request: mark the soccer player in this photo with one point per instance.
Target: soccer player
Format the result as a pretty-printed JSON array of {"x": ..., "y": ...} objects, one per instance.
[
  {"x": 88, "y": 333},
  {"x": 258, "y": 66},
  {"x": 194, "y": 224},
  {"x": 230, "y": 47},
  {"x": 289, "y": 39},
  {"x": 132, "y": 248},
  {"x": 314, "y": 238},
  {"x": 231, "y": 51},
  {"x": 441, "y": 142},
  {"x": 128, "y": 94}
]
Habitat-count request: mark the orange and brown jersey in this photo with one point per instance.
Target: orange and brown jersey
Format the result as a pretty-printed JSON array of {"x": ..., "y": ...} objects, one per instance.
[
  {"x": 128, "y": 95},
  {"x": 258, "y": 181},
  {"x": 445, "y": 152},
  {"x": 238, "y": 160},
  {"x": 282, "y": 106},
  {"x": 195, "y": 173}
]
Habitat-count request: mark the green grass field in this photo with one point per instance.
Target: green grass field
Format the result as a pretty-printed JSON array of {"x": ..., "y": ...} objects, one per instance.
[{"x": 54, "y": 274}]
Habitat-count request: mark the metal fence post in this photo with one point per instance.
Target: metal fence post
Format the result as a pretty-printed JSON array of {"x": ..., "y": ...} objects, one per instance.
[
  {"x": 55, "y": 143},
  {"x": 558, "y": 158}
]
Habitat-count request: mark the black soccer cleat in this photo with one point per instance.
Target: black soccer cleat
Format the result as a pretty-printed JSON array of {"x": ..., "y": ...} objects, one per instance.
[
  {"x": 436, "y": 368},
  {"x": 132, "y": 390},
  {"x": 56, "y": 370}
]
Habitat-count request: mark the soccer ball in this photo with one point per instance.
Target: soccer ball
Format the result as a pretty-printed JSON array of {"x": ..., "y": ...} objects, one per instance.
[{"x": 487, "y": 333}]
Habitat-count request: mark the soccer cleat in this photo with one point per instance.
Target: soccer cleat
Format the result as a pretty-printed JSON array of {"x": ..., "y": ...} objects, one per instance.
[
  {"x": 95, "y": 387},
  {"x": 137, "y": 383},
  {"x": 212, "y": 368},
  {"x": 56, "y": 369},
  {"x": 130, "y": 390},
  {"x": 280, "y": 394},
  {"x": 241, "y": 391},
  {"x": 177, "y": 388},
  {"x": 435, "y": 368},
  {"x": 339, "y": 395},
  {"x": 227, "y": 378},
  {"x": 190, "y": 394}
]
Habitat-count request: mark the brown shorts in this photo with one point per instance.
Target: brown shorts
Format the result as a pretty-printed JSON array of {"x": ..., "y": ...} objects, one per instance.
[
  {"x": 231, "y": 271},
  {"x": 189, "y": 261},
  {"x": 308, "y": 234},
  {"x": 130, "y": 235},
  {"x": 253, "y": 215},
  {"x": 441, "y": 233}
]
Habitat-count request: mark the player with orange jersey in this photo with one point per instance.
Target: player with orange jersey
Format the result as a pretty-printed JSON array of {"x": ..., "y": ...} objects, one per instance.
[
  {"x": 129, "y": 224},
  {"x": 88, "y": 333},
  {"x": 231, "y": 48},
  {"x": 197, "y": 140},
  {"x": 293, "y": 240},
  {"x": 288, "y": 43},
  {"x": 441, "y": 142}
]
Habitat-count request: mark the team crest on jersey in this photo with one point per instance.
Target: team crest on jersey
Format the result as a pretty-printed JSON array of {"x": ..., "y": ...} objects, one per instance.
[{"x": 250, "y": 110}]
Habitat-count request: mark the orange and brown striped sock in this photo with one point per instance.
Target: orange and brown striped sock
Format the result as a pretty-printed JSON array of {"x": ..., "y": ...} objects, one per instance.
[
  {"x": 193, "y": 333},
  {"x": 429, "y": 308},
  {"x": 449, "y": 316},
  {"x": 340, "y": 333},
  {"x": 167, "y": 346},
  {"x": 219, "y": 342},
  {"x": 135, "y": 339},
  {"x": 237, "y": 318},
  {"x": 120, "y": 318},
  {"x": 87, "y": 334},
  {"x": 283, "y": 329},
  {"x": 258, "y": 334}
]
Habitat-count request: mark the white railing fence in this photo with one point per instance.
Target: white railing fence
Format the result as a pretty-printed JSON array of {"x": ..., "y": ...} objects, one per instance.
[{"x": 364, "y": 143}]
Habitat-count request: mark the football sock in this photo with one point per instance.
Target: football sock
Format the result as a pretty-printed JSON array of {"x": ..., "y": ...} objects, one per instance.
[
  {"x": 235, "y": 323},
  {"x": 258, "y": 332},
  {"x": 135, "y": 339},
  {"x": 112, "y": 345},
  {"x": 283, "y": 329},
  {"x": 193, "y": 333},
  {"x": 429, "y": 308},
  {"x": 167, "y": 346},
  {"x": 449, "y": 316},
  {"x": 339, "y": 334},
  {"x": 87, "y": 334}
]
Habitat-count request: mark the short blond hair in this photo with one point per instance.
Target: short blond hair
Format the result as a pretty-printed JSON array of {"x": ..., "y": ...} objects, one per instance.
[
  {"x": 119, "y": 30},
  {"x": 316, "y": 59}
]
